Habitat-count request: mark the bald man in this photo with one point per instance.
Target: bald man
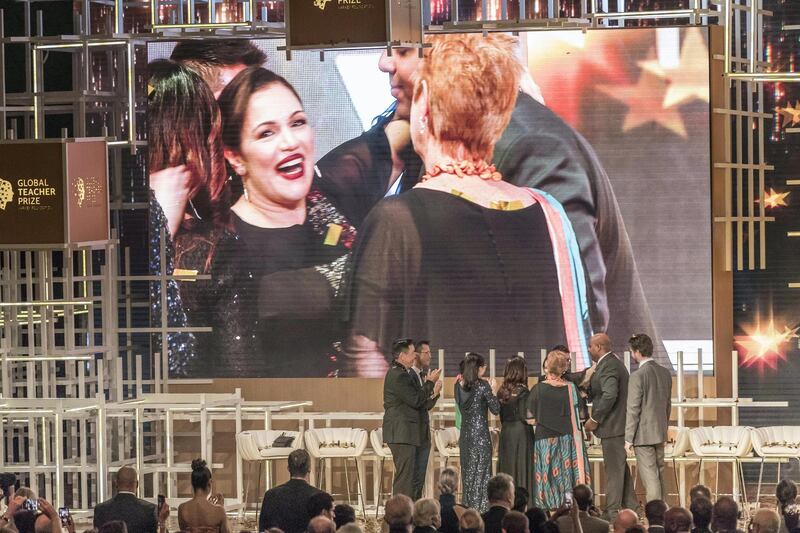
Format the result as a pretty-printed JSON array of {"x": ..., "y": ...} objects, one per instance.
[
  {"x": 139, "y": 515},
  {"x": 608, "y": 392},
  {"x": 625, "y": 520}
]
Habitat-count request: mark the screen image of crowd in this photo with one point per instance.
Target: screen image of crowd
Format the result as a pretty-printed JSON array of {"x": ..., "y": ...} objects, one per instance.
[{"x": 471, "y": 211}]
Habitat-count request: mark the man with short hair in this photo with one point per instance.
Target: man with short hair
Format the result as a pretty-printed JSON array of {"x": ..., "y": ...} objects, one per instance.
[
  {"x": 647, "y": 422},
  {"x": 766, "y": 521},
  {"x": 320, "y": 504},
  {"x": 701, "y": 508},
  {"x": 608, "y": 392},
  {"x": 654, "y": 512},
  {"x": 515, "y": 522},
  {"x": 286, "y": 506},
  {"x": 677, "y": 520},
  {"x": 343, "y": 514},
  {"x": 584, "y": 498},
  {"x": 403, "y": 402},
  {"x": 398, "y": 513},
  {"x": 138, "y": 515},
  {"x": 699, "y": 490},
  {"x": 419, "y": 369},
  {"x": 500, "y": 492},
  {"x": 724, "y": 515},
  {"x": 625, "y": 520},
  {"x": 218, "y": 61},
  {"x": 320, "y": 524}
]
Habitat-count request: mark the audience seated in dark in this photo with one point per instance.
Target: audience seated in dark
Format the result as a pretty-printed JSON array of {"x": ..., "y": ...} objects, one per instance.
[
  {"x": 352, "y": 527},
  {"x": 701, "y": 509},
  {"x": 724, "y": 515},
  {"x": 399, "y": 513},
  {"x": 321, "y": 524},
  {"x": 786, "y": 493},
  {"x": 765, "y": 521},
  {"x": 515, "y": 522},
  {"x": 114, "y": 526},
  {"x": 448, "y": 486},
  {"x": 521, "y": 496},
  {"x": 286, "y": 506},
  {"x": 139, "y": 516},
  {"x": 638, "y": 528},
  {"x": 500, "y": 492},
  {"x": 654, "y": 513},
  {"x": 583, "y": 498},
  {"x": 699, "y": 490},
  {"x": 625, "y": 520},
  {"x": 427, "y": 516},
  {"x": 677, "y": 520},
  {"x": 343, "y": 514},
  {"x": 791, "y": 517},
  {"x": 536, "y": 518},
  {"x": 470, "y": 522},
  {"x": 320, "y": 504}
]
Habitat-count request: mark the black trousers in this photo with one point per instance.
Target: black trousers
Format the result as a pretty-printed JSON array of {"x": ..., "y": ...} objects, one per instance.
[
  {"x": 420, "y": 469},
  {"x": 404, "y": 458}
]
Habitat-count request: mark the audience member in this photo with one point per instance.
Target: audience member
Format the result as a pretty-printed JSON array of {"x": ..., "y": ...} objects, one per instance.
[
  {"x": 321, "y": 524},
  {"x": 448, "y": 486},
  {"x": 515, "y": 522},
  {"x": 521, "y": 496},
  {"x": 583, "y": 496},
  {"x": 500, "y": 492},
  {"x": 203, "y": 512},
  {"x": 724, "y": 515},
  {"x": 786, "y": 493},
  {"x": 791, "y": 517},
  {"x": 470, "y": 522},
  {"x": 765, "y": 521},
  {"x": 427, "y": 516},
  {"x": 286, "y": 506},
  {"x": 625, "y": 520},
  {"x": 701, "y": 509},
  {"x": 114, "y": 526},
  {"x": 638, "y": 528},
  {"x": 343, "y": 514},
  {"x": 699, "y": 490},
  {"x": 139, "y": 516},
  {"x": 536, "y": 517},
  {"x": 320, "y": 504},
  {"x": 399, "y": 513},
  {"x": 350, "y": 527},
  {"x": 677, "y": 520},
  {"x": 272, "y": 530},
  {"x": 654, "y": 512}
]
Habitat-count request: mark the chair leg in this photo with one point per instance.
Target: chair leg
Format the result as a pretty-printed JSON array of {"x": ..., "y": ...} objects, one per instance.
[
  {"x": 258, "y": 487},
  {"x": 760, "y": 477},
  {"x": 347, "y": 478},
  {"x": 716, "y": 482},
  {"x": 360, "y": 490},
  {"x": 677, "y": 482},
  {"x": 380, "y": 490}
]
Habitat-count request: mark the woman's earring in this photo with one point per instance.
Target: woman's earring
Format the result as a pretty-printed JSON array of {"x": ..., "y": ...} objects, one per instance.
[
  {"x": 244, "y": 192},
  {"x": 423, "y": 125}
]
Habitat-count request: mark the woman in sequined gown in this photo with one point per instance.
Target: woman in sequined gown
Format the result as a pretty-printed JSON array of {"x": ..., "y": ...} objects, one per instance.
[{"x": 474, "y": 397}]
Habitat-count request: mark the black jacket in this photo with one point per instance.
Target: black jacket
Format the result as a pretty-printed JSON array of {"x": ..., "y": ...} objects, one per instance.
[
  {"x": 138, "y": 515},
  {"x": 285, "y": 506},
  {"x": 493, "y": 519}
]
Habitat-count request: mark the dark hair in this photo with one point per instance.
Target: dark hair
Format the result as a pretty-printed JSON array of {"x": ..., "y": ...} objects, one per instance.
[
  {"x": 343, "y": 514},
  {"x": 299, "y": 463},
  {"x": 25, "y": 521},
  {"x": 461, "y": 366},
  {"x": 638, "y": 528},
  {"x": 235, "y": 99},
  {"x": 791, "y": 515},
  {"x": 500, "y": 487},
  {"x": 521, "y": 496},
  {"x": 515, "y": 379},
  {"x": 320, "y": 501},
  {"x": 184, "y": 128},
  {"x": 514, "y": 522},
  {"x": 219, "y": 52},
  {"x": 584, "y": 496},
  {"x": 641, "y": 343},
  {"x": 549, "y": 527},
  {"x": 559, "y": 348},
  {"x": 701, "y": 508},
  {"x": 677, "y": 520},
  {"x": 115, "y": 526},
  {"x": 425, "y": 342},
  {"x": 400, "y": 346},
  {"x": 699, "y": 490},
  {"x": 536, "y": 517},
  {"x": 654, "y": 511},
  {"x": 201, "y": 475},
  {"x": 724, "y": 514},
  {"x": 470, "y": 375},
  {"x": 786, "y": 492}
]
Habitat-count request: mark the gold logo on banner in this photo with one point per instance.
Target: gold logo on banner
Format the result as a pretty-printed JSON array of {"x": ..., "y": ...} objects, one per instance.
[
  {"x": 6, "y": 193},
  {"x": 86, "y": 191},
  {"x": 321, "y": 4}
]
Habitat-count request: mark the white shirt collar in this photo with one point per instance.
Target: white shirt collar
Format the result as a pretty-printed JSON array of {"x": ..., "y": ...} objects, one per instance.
[
  {"x": 417, "y": 370},
  {"x": 647, "y": 360},
  {"x": 126, "y": 492},
  {"x": 604, "y": 356}
]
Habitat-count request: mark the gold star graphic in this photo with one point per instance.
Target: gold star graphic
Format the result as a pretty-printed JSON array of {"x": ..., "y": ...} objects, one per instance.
[
  {"x": 774, "y": 199},
  {"x": 689, "y": 79},
  {"x": 790, "y": 115},
  {"x": 644, "y": 104}
]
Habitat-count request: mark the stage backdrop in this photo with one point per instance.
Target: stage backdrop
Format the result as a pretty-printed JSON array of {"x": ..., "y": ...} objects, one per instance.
[{"x": 617, "y": 126}]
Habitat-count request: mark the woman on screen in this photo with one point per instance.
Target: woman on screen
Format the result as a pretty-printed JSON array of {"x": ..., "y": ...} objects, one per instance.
[
  {"x": 277, "y": 271},
  {"x": 464, "y": 257}
]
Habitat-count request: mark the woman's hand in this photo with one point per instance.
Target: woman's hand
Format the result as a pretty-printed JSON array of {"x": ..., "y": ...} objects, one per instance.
[{"x": 171, "y": 189}]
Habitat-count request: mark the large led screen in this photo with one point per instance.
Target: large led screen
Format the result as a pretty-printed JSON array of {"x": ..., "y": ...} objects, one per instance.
[{"x": 300, "y": 206}]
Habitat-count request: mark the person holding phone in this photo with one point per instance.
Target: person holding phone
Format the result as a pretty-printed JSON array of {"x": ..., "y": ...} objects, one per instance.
[
  {"x": 138, "y": 515},
  {"x": 581, "y": 498}
]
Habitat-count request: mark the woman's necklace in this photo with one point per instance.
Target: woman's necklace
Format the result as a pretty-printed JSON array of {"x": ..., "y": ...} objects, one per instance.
[{"x": 463, "y": 168}]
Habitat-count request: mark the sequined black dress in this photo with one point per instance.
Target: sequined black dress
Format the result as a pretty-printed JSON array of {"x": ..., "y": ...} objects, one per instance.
[
  {"x": 475, "y": 443},
  {"x": 273, "y": 297}
]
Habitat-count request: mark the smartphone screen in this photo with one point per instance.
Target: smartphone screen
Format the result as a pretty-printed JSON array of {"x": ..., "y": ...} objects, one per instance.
[
  {"x": 161, "y": 501},
  {"x": 63, "y": 513}
]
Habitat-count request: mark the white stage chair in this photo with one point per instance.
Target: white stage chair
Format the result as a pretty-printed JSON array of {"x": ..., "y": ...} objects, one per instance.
[
  {"x": 677, "y": 446},
  {"x": 777, "y": 443},
  {"x": 382, "y": 450},
  {"x": 257, "y": 446},
  {"x": 723, "y": 444},
  {"x": 446, "y": 441},
  {"x": 339, "y": 443}
]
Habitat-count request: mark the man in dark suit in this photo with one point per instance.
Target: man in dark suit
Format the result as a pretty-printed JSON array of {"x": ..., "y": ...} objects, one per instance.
[
  {"x": 403, "y": 404},
  {"x": 286, "y": 506},
  {"x": 584, "y": 498},
  {"x": 420, "y": 370},
  {"x": 537, "y": 149},
  {"x": 500, "y": 492},
  {"x": 654, "y": 512},
  {"x": 649, "y": 406},
  {"x": 137, "y": 514},
  {"x": 608, "y": 392}
]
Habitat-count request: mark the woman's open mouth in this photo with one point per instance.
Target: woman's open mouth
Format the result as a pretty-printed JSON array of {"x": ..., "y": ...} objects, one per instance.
[{"x": 292, "y": 167}]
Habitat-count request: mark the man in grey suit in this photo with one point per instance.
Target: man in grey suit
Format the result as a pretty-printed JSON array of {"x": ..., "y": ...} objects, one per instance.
[
  {"x": 649, "y": 405},
  {"x": 403, "y": 404},
  {"x": 583, "y": 496},
  {"x": 608, "y": 392}
]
